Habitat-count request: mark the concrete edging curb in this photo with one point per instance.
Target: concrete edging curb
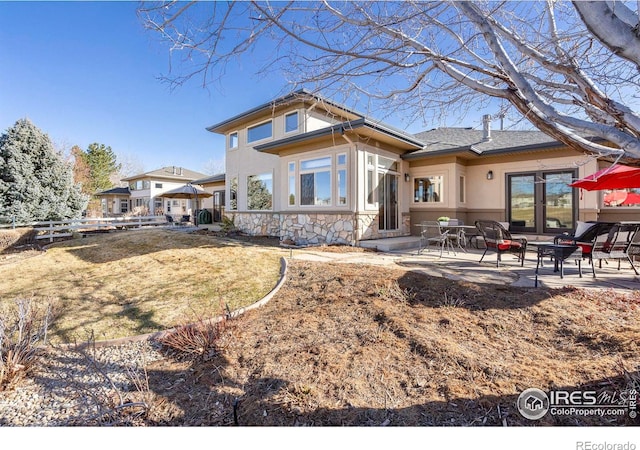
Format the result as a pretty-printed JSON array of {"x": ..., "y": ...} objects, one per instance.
[{"x": 160, "y": 334}]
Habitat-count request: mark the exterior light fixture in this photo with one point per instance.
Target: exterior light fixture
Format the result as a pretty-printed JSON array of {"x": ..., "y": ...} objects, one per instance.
[
  {"x": 406, "y": 177},
  {"x": 490, "y": 175}
]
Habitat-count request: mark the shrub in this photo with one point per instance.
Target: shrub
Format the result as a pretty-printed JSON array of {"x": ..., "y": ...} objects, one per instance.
[
  {"x": 200, "y": 339},
  {"x": 22, "y": 331},
  {"x": 228, "y": 224}
]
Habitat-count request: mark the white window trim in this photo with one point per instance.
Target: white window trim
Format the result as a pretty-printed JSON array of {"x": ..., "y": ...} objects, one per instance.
[
  {"x": 338, "y": 168},
  {"x": 257, "y": 125},
  {"x": 237, "y": 178},
  {"x": 437, "y": 204},
  {"x": 284, "y": 122},
  {"x": 246, "y": 184},
  {"x": 329, "y": 168},
  {"x": 229, "y": 147}
]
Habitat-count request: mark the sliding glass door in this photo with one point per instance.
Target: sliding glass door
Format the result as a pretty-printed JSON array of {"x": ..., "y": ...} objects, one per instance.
[{"x": 541, "y": 202}]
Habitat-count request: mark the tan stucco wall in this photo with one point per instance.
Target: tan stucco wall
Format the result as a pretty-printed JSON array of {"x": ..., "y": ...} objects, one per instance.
[{"x": 487, "y": 198}]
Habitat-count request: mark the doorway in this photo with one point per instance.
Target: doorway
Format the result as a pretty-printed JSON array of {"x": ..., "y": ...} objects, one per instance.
[
  {"x": 388, "y": 201},
  {"x": 541, "y": 202},
  {"x": 218, "y": 206}
]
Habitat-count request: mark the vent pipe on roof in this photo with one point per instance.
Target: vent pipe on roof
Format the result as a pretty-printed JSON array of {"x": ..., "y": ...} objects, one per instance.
[{"x": 486, "y": 127}]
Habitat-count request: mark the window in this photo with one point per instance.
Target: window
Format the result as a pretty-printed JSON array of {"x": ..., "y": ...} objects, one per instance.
[
  {"x": 158, "y": 185},
  {"x": 291, "y": 122},
  {"x": 157, "y": 206},
  {"x": 259, "y": 132},
  {"x": 292, "y": 183},
  {"x": 260, "y": 192},
  {"x": 461, "y": 189},
  {"x": 146, "y": 184},
  {"x": 315, "y": 182},
  {"x": 233, "y": 140},
  {"x": 342, "y": 179},
  {"x": 621, "y": 198},
  {"x": 124, "y": 206},
  {"x": 370, "y": 174},
  {"x": 428, "y": 189},
  {"x": 233, "y": 194}
]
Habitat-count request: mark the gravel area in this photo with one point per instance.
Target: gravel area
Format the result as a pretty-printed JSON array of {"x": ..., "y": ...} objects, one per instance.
[{"x": 77, "y": 388}]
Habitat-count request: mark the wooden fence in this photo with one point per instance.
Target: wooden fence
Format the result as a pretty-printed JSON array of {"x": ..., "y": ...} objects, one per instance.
[{"x": 52, "y": 229}]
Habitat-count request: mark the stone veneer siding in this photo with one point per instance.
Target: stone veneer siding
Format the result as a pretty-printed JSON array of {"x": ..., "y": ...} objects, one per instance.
[
  {"x": 317, "y": 228},
  {"x": 314, "y": 229}
]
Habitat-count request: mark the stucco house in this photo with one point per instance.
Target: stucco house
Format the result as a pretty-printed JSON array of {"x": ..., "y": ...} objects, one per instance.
[
  {"x": 311, "y": 171},
  {"x": 143, "y": 196}
]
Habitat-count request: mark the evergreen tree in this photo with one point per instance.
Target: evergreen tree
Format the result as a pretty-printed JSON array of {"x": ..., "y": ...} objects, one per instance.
[
  {"x": 35, "y": 181},
  {"x": 102, "y": 165}
]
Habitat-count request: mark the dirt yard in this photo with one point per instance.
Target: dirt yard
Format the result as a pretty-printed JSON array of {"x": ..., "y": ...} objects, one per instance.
[{"x": 358, "y": 345}]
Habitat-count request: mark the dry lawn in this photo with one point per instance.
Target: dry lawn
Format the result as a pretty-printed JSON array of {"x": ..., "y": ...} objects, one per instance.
[
  {"x": 361, "y": 345},
  {"x": 135, "y": 282}
]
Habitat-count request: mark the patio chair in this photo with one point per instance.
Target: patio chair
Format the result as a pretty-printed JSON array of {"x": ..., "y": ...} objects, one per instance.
[
  {"x": 498, "y": 239},
  {"x": 170, "y": 220},
  {"x": 432, "y": 233},
  {"x": 586, "y": 235},
  {"x": 615, "y": 244},
  {"x": 457, "y": 235}
]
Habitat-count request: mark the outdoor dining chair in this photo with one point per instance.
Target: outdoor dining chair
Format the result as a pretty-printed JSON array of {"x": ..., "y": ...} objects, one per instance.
[
  {"x": 432, "y": 233},
  {"x": 498, "y": 239}
]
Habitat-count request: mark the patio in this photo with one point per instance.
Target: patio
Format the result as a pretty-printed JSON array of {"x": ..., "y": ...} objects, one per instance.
[{"x": 466, "y": 265}]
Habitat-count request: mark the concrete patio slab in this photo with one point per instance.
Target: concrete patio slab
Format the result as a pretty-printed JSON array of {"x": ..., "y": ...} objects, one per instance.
[{"x": 466, "y": 266}]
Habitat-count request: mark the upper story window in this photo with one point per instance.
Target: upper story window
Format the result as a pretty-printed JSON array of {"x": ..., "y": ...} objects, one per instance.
[
  {"x": 291, "y": 122},
  {"x": 233, "y": 140},
  {"x": 139, "y": 185},
  {"x": 158, "y": 185},
  {"x": 259, "y": 132}
]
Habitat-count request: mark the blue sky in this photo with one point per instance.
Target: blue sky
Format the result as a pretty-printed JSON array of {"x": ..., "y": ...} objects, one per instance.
[{"x": 88, "y": 72}]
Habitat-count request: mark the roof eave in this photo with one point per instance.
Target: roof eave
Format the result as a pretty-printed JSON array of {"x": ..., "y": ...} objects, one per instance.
[{"x": 342, "y": 128}]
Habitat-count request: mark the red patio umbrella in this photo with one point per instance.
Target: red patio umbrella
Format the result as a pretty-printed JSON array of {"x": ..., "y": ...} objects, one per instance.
[{"x": 617, "y": 177}]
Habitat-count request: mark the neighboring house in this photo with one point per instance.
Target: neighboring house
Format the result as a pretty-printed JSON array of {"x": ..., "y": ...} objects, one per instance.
[
  {"x": 311, "y": 171},
  {"x": 215, "y": 185},
  {"x": 145, "y": 193},
  {"x": 115, "y": 201}
]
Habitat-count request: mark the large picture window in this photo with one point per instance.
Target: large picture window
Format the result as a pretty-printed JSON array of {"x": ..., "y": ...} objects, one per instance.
[
  {"x": 260, "y": 192},
  {"x": 259, "y": 132},
  {"x": 315, "y": 182},
  {"x": 428, "y": 189}
]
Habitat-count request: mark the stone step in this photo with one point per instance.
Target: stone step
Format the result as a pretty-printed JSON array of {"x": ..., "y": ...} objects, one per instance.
[{"x": 392, "y": 244}]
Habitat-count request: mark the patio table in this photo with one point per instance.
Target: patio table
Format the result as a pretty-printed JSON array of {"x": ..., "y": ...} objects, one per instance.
[{"x": 559, "y": 252}]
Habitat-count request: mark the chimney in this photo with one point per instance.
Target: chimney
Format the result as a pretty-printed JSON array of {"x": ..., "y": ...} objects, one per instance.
[
  {"x": 486, "y": 127},
  {"x": 180, "y": 171},
  {"x": 174, "y": 170}
]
